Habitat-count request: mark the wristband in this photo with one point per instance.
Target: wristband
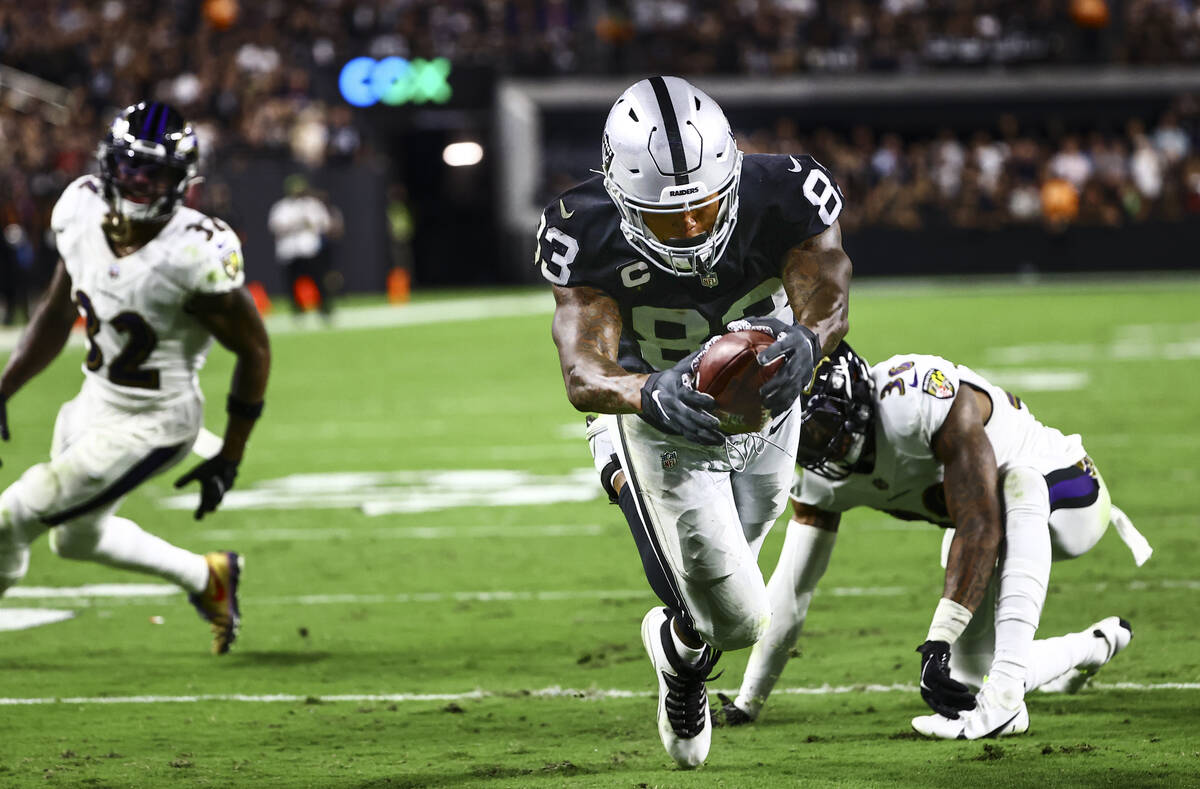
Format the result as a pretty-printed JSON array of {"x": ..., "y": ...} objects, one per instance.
[
  {"x": 237, "y": 407},
  {"x": 949, "y": 621}
]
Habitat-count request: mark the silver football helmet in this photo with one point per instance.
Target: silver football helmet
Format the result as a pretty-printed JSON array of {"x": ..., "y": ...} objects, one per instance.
[{"x": 668, "y": 148}]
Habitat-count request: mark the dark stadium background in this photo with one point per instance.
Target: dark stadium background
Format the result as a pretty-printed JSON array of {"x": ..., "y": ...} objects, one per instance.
[{"x": 902, "y": 99}]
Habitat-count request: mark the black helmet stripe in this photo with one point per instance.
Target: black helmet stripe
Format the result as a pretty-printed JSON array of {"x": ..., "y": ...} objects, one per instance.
[
  {"x": 146, "y": 124},
  {"x": 164, "y": 116},
  {"x": 156, "y": 115},
  {"x": 674, "y": 138}
]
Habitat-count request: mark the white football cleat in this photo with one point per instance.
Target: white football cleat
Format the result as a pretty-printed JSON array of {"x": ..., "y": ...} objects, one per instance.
[
  {"x": 993, "y": 716},
  {"x": 1115, "y": 633},
  {"x": 683, "y": 716}
]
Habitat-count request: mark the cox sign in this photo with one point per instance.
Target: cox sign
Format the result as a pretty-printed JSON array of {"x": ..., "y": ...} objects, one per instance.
[{"x": 365, "y": 81}]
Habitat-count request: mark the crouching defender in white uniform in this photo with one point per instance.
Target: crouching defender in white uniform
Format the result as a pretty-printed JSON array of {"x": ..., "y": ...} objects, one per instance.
[
  {"x": 679, "y": 237},
  {"x": 925, "y": 439},
  {"x": 155, "y": 281}
]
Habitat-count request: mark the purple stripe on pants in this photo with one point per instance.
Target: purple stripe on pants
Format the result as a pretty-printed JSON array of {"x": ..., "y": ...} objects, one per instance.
[{"x": 1073, "y": 488}]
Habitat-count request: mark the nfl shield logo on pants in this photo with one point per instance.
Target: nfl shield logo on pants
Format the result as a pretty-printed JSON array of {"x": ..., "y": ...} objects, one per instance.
[{"x": 669, "y": 459}]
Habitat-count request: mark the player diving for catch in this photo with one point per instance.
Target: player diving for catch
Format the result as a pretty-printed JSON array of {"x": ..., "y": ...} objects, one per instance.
[{"x": 679, "y": 236}]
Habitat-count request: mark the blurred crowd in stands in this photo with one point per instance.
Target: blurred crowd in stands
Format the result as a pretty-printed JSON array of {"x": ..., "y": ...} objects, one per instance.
[
  {"x": 260, "y": 77},
  {"x": 993, "y": 178}
]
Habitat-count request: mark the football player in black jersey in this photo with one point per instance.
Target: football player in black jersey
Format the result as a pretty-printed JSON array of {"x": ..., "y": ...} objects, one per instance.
[{"x": 679, "y": 236}]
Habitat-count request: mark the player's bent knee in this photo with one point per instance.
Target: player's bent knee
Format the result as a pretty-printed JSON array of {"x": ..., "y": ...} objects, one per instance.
[
  {"x": 1025, "y": 491},
  {"x": 1075, "y": 531},
  {"x": 75, "y": 540},
  {"x": 13, "y": 566},
  {"x": 744, "y": 631},
  {"x": 31, "y": 497},
  {"x": 741, "y": 635},
  {"x": 14, "y": 554}
]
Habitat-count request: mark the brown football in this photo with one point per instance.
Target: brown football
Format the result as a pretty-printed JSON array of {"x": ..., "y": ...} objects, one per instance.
[{"x": 730, "y": 372}]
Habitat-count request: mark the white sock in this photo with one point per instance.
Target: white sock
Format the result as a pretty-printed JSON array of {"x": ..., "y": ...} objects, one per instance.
[
  {"x": 689, "y": 655},
  {"x": 1052, "y": 657},
  {"x": 1024, "y": 575},
  {"x": 802, "y": 562},
  {"x": 119, "y": 542}
]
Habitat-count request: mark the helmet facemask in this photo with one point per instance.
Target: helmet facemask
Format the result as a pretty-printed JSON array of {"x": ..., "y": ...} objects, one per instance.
[
  {"x": 142, "y": 188},
  {"x": 147, "y": 162},
  {"x": 682, "y": 257},
  {"x": 837, "y": 415}
]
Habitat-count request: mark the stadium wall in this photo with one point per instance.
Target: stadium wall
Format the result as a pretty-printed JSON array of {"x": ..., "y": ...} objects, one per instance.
[
  {"x": 360, "y": 255},
  {"x": 1156, "y": 246}
]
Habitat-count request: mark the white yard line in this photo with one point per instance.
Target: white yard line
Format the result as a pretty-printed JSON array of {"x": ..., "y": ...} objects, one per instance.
[
  {"x": 404, "y": 533},
  {"x": 588, "y": 694},
  {"x": 26, "y": 618},
  {"x": 152, "y": 594},
  {"x": 456, "y": 310},
  {"x": 1037, "y": 380},
  {"x": 90, "y": 591}
]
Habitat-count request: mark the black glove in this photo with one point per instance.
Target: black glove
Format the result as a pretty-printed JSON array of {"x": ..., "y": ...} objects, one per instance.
[
  {"x": 216, "y": 476},
  {"x": 3, "y": 420},
  {"x": 733, "y": 714},
  {"x": 944, "y": 695},
  {"x": 800, "y": 349},
  {"x": 672, "y": 404}
]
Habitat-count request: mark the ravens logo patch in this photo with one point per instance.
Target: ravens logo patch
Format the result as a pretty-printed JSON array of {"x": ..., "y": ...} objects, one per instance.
[
  {"x": 231, "y": 261},
  {"x": 938, "y": 385}
]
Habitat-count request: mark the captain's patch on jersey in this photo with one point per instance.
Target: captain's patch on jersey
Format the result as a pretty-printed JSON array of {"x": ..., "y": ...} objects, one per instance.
[
  {"x": 936, "y": 384},
  {"x": 231, "y": 261}
]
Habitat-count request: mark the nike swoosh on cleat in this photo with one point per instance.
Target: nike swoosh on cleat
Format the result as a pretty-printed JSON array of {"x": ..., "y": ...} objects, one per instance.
[
  {"x": 562, "y": 209},
  {"x": 996, "y": 731},
  {"x": 795, "y": 168},
  {"x": 219, "y": 592}
]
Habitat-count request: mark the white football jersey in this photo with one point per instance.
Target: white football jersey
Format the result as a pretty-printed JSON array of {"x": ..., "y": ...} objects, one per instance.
[
  {"x": 142, "y": 345},
  {"x": 913, "y": 394}
]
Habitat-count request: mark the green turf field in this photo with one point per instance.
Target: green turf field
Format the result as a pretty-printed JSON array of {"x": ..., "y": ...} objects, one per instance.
[{"x": 436, "y": 596}]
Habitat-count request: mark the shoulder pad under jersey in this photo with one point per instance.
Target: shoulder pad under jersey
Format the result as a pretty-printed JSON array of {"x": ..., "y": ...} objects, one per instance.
[
  {"x": 795, "y": 195},
  {"x": 72, "y": 201},
  {"x": 913, "y": 395},
  {"x": 206, "y": 253},
  {"x": 575, "y": 232}
]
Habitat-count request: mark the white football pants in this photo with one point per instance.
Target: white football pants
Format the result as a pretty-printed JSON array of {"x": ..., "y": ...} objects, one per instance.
[
  {"x": 704, "y": 512},
  {"x": 99, "y": 453},
  {"x": 999, "y": 637}
]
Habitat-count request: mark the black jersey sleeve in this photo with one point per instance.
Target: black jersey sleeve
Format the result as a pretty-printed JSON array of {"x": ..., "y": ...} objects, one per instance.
[{"x": 799, "y": 197}]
